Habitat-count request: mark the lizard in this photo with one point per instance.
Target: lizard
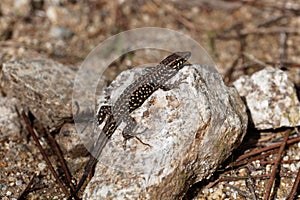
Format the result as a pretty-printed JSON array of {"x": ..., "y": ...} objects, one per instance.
[{"x": 131, "y": 99}]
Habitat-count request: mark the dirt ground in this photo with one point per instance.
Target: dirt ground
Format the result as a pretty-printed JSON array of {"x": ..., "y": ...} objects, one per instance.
[{"x": 241, "y": 37}]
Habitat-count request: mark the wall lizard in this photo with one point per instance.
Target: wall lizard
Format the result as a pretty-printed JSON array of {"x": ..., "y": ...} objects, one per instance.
[{"x": 131, "y": 98}]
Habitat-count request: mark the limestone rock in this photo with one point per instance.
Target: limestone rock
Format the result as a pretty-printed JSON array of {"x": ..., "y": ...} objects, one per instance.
[
  {"x": 271, "y": 99},
  {"x": 191, "y": 129}
]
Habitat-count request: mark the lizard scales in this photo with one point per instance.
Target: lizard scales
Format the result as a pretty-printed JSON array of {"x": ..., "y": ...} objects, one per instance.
[{"x": 130, "y": 99}]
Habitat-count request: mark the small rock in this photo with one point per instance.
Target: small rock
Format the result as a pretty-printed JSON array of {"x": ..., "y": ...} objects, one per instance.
[
  {"x": 60, "y": 32},
  {"x": 271, "y": 99},
  {"x": 53, "y": 13},
  {"x": 191, "y": 129},
  {"x": 42, "y": 166},
  {"x": 22, "y": 7},
  {"x": 62, "y": 16}
]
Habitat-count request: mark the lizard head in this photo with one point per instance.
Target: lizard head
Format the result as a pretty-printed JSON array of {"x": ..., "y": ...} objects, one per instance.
[{"x": 176, "y": 60}]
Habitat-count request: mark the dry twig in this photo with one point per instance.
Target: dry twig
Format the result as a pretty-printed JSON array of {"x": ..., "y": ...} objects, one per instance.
[
  {"x": 256, "y": 60},
  {"x": 296, "y": 186},
  {"x": 276, "y": 164},
  {"x": 61, "y": 159},
  {"x": 42, "y": 151},
  {"x": 27, "y": 189}
]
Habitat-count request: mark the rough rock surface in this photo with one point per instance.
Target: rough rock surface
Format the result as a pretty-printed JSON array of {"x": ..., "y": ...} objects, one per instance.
[
  {"x": 10, "y": 125},
  {"x": 42, "y": 86},
  {"x": 271, "y": 99},
  {"x": 191, "y": 129},
  {"x": 10, "y": 51}
]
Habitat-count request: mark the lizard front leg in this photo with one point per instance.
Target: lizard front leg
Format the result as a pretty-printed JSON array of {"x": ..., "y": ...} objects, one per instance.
[{"x": 127, "y": 131}]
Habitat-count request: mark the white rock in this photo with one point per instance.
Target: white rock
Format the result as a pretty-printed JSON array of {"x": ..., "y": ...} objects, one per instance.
[
  {"x": 271, "y": 99},
  {"x": 191, "y": 128}
]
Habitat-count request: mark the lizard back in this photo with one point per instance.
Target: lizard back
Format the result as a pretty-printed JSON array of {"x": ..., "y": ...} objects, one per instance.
[{"x": 137, "y": 92}]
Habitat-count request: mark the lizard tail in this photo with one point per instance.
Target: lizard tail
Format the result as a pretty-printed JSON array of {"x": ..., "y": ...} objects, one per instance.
[{"x": 97, "y": 149}]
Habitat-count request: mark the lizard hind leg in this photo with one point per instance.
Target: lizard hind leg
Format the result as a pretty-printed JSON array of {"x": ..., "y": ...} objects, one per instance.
[
  {"x": 104, "y": 111},
  {"x": 127, "y": 132}
]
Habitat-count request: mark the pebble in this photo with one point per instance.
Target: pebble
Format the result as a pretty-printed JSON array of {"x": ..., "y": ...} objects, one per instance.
[
  {"x": 61, "y": 32},
  {"x": 42, "y": 166},
  {"x": 18, "y": 182}
]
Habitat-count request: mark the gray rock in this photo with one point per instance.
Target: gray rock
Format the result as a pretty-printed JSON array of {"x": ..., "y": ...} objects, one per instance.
[
  {"x": 61, "y": 32},
  {"x": 271, "y": 99},
  {"x": 191, "y": 129},
  {"x": 10, "y": 126},
  {"x": 42, "y": 86},
  {"x": 69, "y": 142}
]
